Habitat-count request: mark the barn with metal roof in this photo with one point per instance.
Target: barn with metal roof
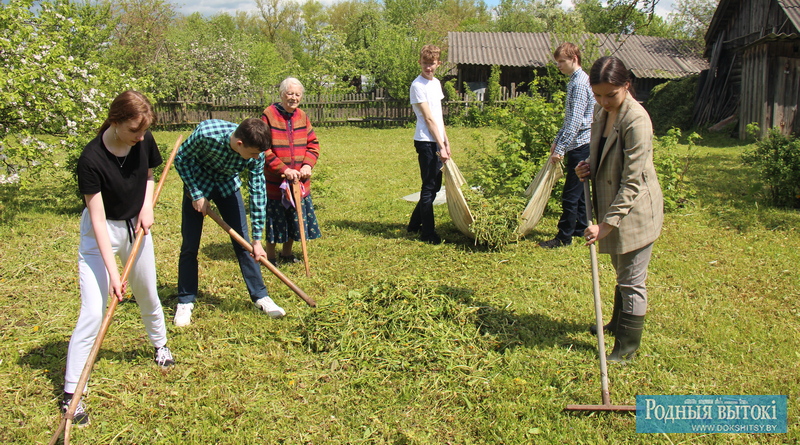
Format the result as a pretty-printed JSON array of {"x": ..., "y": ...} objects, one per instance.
[{"x": 522, "y": 56}]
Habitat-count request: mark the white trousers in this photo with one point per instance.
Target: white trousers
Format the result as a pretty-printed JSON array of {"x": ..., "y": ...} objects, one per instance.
[{"x": 94, "y": 293}]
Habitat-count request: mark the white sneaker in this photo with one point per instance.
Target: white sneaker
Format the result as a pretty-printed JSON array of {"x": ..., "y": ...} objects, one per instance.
[
  {"x": 183, "y": 314},
  {"x": 163, "y": 357},
  {"x": 267, "y": 305}
]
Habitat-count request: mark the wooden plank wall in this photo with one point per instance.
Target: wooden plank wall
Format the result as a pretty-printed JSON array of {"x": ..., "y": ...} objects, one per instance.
[
  {"x": 753, "y": 103},
  {"x": 785, "y": 113},
  {"x": 770, "y": 89}
]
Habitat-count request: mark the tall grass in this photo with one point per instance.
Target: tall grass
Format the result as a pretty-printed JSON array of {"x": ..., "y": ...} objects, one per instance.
[{"x": 410, "y": 343}]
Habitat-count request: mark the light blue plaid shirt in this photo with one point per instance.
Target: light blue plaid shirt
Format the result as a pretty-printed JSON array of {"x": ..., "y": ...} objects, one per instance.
[
  {"x": 578, "y": 110},
  {"x": 207, "y": 163}
]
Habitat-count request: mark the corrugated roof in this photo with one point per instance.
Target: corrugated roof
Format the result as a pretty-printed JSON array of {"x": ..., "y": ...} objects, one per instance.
[
  {"x": 792, "y": 9},
  {"x": 646, "y": 57},
  {"x": 722, "y": 14}
]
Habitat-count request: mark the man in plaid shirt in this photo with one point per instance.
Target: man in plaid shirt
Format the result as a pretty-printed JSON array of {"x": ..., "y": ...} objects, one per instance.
[
  {"x": 210, "y": 162},
  {"x": 572, "y": 141}
]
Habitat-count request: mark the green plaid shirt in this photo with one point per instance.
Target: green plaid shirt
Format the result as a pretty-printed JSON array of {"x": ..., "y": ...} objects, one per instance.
[{"x": 207, "y": 163}]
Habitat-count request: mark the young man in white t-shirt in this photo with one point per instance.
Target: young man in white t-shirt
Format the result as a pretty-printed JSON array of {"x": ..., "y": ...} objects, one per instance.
[{"x": 430, "y": 141}]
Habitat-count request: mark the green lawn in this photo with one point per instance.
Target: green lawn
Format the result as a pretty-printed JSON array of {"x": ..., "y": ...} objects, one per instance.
[{"x": 410, "y": 343}]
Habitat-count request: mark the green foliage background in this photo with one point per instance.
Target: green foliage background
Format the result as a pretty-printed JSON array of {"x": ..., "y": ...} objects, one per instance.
[
  {"x": 671, "y": 104},
  {"x": 776, "y": 158}
]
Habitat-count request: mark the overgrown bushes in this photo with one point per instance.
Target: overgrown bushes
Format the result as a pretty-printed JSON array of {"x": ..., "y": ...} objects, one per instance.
[
  {"x": 672, "y": 167},
  {"x": 528, "y": 125},
  {"x": 777, "y": 159},
  {"x": 671, "y": 104}
]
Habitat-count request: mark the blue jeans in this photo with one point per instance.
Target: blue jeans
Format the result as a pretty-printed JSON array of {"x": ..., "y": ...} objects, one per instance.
[
  {"x": 573, "y": 203},
  {"x": 231, "y": 209},
  {"x": 430, "y": 171}
]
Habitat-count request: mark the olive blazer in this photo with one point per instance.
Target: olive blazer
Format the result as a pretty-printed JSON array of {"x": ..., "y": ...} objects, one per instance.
[{"x": 626, "y": 192}]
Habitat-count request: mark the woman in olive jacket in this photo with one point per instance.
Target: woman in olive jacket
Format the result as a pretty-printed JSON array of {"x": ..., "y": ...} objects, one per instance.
[{"x": 626, "y": 196}]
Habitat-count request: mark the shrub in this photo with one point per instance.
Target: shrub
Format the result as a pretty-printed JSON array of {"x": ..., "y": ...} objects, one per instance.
[
  {"x": 777, "y": 159},
  {"x": 528, "y": 125},
  {"x": 493, "y": 89},
  {"x": 472, "y": 112},
  {"x": 671, "y": 104},
  {"x": 673, "y": 166}
]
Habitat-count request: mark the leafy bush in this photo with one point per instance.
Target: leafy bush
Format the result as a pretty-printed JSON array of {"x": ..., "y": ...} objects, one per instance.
[
  {"x": 673, "y": 166},
  {"x": 670, "y": 104},
  {"x": 493, "y": 89},
  {"x": 777, "y": 159},
  {"x": 469, "y": 113},
  {"x": 528, "y": 124}
]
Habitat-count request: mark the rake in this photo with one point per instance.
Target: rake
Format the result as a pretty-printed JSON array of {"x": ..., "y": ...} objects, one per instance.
[
  {"x": 263, "y": 260},
  {"x": 601, "y": 341}
]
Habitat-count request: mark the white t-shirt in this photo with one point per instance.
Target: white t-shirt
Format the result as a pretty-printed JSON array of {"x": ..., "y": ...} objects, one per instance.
[{"x": 430, "y": 91}]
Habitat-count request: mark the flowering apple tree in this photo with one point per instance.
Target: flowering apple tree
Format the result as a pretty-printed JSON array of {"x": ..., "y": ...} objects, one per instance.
[{"x": 53, "y": 89}]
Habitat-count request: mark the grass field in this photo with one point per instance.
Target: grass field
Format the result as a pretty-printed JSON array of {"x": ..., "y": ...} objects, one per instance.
[{"x": 410, "y": 343}]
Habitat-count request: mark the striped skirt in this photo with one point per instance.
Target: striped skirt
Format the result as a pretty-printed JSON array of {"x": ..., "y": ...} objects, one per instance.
[{"x": 282, "y": 224}]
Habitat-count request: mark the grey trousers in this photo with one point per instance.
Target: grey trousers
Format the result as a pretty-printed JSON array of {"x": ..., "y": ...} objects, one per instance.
[{"x": 631, "y": 270}]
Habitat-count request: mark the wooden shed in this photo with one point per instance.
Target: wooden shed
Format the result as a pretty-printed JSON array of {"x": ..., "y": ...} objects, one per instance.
[
  {"x": 754, "y": 74},
  {"x": 524, "y": 55}
]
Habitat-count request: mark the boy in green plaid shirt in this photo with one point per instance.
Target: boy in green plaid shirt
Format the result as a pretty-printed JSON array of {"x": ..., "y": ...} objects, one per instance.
[{"x": 210, "y": 162}]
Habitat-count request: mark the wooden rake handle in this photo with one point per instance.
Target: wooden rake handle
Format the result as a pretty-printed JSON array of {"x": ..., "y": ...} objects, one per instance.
[
  {"x": 263, "y": 260},
  {"x": 66, "y": 421},
  {"x": 598, "y": 305},
  {"x": 301, "y": 223}
]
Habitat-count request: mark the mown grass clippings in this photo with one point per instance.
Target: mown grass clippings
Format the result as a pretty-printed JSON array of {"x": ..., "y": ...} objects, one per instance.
[
  {"x": 396, "y": 326},
  {"x": 497, "y": 218}
]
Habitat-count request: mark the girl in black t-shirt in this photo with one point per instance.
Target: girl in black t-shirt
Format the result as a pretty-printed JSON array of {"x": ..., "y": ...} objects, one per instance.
[{"x": 115, "y": 177}]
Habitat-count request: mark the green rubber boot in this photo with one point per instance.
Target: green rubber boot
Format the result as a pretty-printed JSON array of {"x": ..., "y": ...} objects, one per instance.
[
  {"x": 629, "y": 337},
  {"x": 611, "y": 327}
]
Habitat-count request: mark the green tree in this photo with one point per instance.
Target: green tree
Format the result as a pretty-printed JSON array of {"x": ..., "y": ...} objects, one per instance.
[
  {"x": 535, "y": 16},
  {"x": 493, "y": 89},
  {"x": 140, "y": 32},
  {"x": 326, "y": 62},
  {"x": 692, "y": 17},
  {"x": 53, "y": 83},
  {"x": 404, "y": 12},
  {"x": 623, "y": 17},
  {"x": 277, "y": 17},
  {"x": 392, "y": 57}
]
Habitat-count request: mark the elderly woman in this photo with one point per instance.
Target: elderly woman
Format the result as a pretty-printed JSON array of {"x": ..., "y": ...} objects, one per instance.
[
  {"x": 294, "y": 153},
  {"x": 627, "y": 197}
]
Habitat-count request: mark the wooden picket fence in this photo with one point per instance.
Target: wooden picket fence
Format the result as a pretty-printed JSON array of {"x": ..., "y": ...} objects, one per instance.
[{"x": 362, "y": 109}]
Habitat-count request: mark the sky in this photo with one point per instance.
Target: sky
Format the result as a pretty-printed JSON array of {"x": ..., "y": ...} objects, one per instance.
[{"x": 211, "y": 7}]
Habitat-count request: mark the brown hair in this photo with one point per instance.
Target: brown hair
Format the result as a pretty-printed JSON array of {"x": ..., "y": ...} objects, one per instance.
[
  {"x": 129, "y": 105},
  {"x": 430, "y": 52},
  {"x": 610, "y": 69},
  {"x": 254, "y": 133},
  {"x": 568, "y": 50}
]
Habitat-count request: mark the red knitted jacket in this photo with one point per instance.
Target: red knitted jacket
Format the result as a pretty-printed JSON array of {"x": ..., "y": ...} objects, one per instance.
[{"x": 294, "y": 144}]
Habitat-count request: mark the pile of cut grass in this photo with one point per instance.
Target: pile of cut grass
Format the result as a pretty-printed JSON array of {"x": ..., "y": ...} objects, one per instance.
[
  {"x": 496, "y": 218},
  {"x": 402, "y": 326}
]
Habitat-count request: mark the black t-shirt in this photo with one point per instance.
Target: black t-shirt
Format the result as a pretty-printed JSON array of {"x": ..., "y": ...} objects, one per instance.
[{"x": 123, "y": 187}]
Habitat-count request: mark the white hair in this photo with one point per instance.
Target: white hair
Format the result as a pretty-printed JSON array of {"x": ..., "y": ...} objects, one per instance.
[{"x": 289, "y": 81}]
